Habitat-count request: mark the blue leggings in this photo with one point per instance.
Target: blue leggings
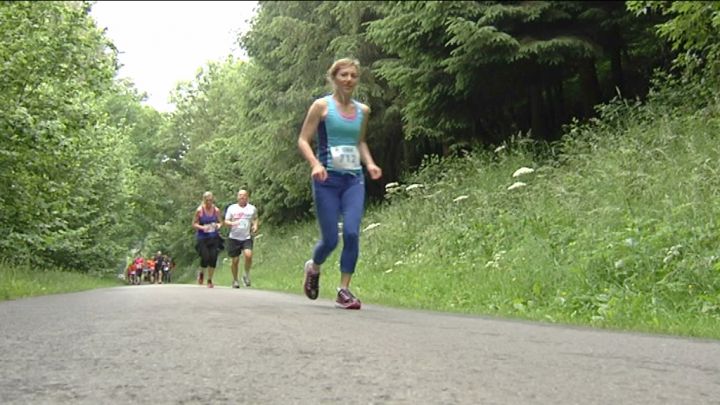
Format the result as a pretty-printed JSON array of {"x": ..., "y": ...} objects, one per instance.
[{"x": 339, "y": 194}]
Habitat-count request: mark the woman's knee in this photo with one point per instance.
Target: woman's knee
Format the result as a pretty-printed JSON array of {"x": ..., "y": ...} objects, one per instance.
[
  {"x": 330, "y": 242},
  {"x": 351, "y": 237},
  {"x": 213, "y": 259}
]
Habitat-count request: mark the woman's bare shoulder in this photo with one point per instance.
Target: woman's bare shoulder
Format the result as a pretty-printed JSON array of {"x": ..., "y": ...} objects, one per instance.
[
  {"x": 319, "y": 106},
  {"x": 320, "y": 103},
  {"x": 364, "y": 108}
]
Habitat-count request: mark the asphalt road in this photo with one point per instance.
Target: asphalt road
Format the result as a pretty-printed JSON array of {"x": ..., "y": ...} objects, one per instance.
[{"x": 186, "y": 344}]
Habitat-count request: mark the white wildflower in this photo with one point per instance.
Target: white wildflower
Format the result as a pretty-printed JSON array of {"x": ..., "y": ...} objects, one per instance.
[
  {"x": 391, "y": 185},
  {"x": 495, "y": 262},
  {"x": 460, "y": 198},
  {"x": 517, "y": 184},
  {"x": 371, "y": 226},
  {"x": 389, "y": 271},
  {"x": 523, "y": 170},
  {"x": 672, "y": 253},
  {"x": 397, "y": 263},
  {"x": 413, "y": 187},
  {"x": 499, "y": 148}
]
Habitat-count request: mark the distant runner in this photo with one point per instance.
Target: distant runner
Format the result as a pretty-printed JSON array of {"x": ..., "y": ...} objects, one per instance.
[
  {"x": 207, "y": 223},
  {"x": 242, "y": 218}
]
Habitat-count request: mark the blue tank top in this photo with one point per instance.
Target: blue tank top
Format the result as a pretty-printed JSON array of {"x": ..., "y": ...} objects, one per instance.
[
  {"x": 207, "y": 218},
  {"x": 337, "y": 139}
]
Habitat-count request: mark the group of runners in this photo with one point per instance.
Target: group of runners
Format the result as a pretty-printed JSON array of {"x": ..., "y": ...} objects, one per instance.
[
  {"x": 337, "y": 124},
  {"x": 153, "y": 270},
  {"x": 242, "y": 219}
]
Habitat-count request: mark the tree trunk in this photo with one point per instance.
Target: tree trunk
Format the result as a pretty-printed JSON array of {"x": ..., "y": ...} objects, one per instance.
[
  {"x": 555, "y": 110},
  {"x": 616, "y": 69},
  {"x": 559, "y": 101},
  {"x": 394, "y": 159},
  {"x": 590, "y": 86},
  {"x": 537, "y": 120}
]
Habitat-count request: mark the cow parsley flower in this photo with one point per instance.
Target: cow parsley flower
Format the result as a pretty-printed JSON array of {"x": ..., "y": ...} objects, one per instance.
[
  {"x": 371, "y": 226},
  {"x": 523, "y": 170}
]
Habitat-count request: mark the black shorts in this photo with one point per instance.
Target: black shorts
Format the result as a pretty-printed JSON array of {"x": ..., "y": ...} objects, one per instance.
[
  {"x": 235, "y": 247},
  {"x": 208, "y": 250}
]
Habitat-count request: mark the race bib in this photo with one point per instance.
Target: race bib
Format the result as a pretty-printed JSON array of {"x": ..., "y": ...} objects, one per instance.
[
  {"x": 345, "y": 157},
  {"x": 243, "y": 224}
]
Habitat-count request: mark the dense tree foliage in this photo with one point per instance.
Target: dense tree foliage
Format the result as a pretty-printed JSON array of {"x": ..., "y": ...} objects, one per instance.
[
  {"x": 439, "y": 77},
  {"x": 81, "y": 160},
  {"x": 483, "y": 70},
  {"x": 62, "y": 170},
  {"x": 692, "y": 29},
  {"x": 87, "y": 171}
]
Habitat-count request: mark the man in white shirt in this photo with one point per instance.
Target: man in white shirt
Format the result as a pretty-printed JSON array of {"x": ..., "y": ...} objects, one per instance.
[{"x": 242, "y": 219}]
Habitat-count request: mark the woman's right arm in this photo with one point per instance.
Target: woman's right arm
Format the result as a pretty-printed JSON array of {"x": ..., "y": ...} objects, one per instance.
[
  {"x": 228, "y": 217},
  {"x": 309, "y": 128},
  {"x": 196, "y": 221}
]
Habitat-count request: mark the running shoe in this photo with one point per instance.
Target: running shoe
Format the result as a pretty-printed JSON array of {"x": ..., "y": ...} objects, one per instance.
[
  {"x": 235, "y": 284},
  {"x": 311, "y": 285},
  {"x": 200, "y": 278},
  {"x": 346, "y": 300},
  {"x": 246, "y": 280},
  {"x": 210, "y": 284}
]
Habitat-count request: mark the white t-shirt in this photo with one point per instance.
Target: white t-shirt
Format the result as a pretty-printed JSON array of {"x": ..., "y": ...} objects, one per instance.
[{"x": 245, "y": 215}]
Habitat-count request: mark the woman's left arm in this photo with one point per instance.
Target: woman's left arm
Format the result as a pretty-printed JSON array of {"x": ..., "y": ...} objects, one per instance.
[
  {"x": 365, "y": 155},
  {"x": 218, "y": 218}
]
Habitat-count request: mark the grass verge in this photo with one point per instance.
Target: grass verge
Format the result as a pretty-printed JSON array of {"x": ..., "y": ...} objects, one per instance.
[{"x": 24, "y": 281}]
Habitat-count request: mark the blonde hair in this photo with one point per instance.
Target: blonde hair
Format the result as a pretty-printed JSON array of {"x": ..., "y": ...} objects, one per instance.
[{"x": 339, "y": 64}]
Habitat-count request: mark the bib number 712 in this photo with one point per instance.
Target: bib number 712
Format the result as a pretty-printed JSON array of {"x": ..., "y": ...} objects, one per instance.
[{"x": 345, "y": 157}]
